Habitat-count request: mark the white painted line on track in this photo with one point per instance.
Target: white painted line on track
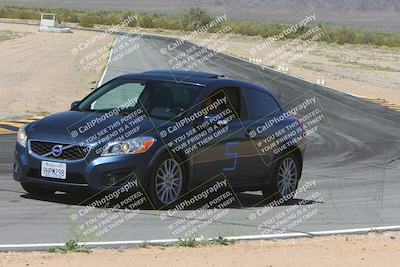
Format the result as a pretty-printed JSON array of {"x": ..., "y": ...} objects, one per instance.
[
  {"x": 108, "y": 63},
  {"x": 317, "y": 233},
  {"x": 355, "y": 95},
  {"x": 236, "y": 238}
]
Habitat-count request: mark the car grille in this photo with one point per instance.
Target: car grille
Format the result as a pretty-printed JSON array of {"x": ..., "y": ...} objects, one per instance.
[{"x": 69, "y": 152}]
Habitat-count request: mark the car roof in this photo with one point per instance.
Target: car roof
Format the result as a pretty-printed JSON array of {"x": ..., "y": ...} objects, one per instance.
[{"x": 191, "y": 77}]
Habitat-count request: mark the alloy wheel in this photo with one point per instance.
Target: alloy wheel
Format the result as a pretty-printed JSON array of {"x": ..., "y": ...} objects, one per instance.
[
  {"x": 168, "y": 182},
  {"x": 287, "y": 177}
]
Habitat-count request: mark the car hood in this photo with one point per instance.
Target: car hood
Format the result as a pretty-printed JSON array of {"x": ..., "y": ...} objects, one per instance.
[{"x": 88, "y": 127}]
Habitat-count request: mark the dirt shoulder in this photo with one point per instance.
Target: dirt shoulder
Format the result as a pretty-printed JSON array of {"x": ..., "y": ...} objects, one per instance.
[
  {"x": 374, "y": 249},
  {"x": 39, "y": 73}
]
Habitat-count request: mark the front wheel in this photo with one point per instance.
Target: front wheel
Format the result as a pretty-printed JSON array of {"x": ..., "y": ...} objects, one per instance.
[
  {"x": 285, "y": 179},
  {"x": 167, "y": 182}
]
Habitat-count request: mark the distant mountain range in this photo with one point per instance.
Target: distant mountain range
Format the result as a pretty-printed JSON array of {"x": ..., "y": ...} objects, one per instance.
[{"x": 375, "y": 14}]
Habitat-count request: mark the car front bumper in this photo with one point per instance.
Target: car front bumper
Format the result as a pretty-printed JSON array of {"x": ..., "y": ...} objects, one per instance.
[{"x": 92, "y": 174}]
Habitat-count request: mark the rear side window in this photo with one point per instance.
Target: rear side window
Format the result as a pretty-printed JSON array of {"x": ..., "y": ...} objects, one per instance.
[
  {"x": 261, "y": 104},
  {"x": 234, "y": 102}
]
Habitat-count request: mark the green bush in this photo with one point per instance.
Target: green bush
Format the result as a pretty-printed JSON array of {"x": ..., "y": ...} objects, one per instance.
[
  {"x": 195, "y": 17},
  {"x": 87, "y": 21},
  {"x": 146, "y": 21}
]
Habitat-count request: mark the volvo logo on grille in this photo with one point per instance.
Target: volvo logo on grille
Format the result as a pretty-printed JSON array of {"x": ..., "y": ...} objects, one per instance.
[{"x": 57, "y": 150}]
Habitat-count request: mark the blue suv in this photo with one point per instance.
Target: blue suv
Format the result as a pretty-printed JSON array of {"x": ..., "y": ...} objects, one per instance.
[{"x": 166, "y": 131}]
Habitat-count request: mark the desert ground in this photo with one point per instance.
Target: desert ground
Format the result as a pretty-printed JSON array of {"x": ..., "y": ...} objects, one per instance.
[
  {"x": 373, "y": 249},
  {"x": 39, "y": 73}
]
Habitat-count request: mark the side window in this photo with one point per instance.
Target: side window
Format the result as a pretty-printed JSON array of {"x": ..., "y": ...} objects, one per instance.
[
  {"x": 261, "y": 104},
  {"x": 225, "y": 99},
  {"x": 168, "y": 99}
]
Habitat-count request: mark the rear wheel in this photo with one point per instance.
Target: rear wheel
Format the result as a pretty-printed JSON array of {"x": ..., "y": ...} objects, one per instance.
[
  {"x": 37, "y": 191},
  {"x": 285, "y": 179},
  {"x": 168, "y": 182}
]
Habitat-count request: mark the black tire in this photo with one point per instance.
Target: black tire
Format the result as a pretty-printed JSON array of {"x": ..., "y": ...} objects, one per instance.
[
  {"x": 155, "y": 198},
  {"x": 37, "y": 191},
  {"x": 274, "y": 191}
]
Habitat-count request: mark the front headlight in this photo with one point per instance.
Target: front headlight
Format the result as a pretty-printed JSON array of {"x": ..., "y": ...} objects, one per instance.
[
  {"x": 136, "y": 145},
  {"x": 21, "y": 136}
]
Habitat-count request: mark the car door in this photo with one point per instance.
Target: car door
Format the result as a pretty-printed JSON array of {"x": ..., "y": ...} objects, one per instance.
[
  {"x": 211, "y": 158},
  {"x": 231, "y": 153}
]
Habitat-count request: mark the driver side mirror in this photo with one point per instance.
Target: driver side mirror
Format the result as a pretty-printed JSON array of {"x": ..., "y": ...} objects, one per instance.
[{"x": 74, "y": 105}]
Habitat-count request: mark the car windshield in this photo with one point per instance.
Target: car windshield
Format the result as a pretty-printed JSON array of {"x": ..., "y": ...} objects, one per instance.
[{"x": 159, "y": 99}]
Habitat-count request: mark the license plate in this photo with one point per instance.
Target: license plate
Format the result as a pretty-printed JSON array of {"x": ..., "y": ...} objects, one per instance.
[{"x": 54, "y": 170}]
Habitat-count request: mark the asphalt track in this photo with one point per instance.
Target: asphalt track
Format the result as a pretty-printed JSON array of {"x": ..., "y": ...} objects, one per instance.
[{"x": 355, "y": 162}]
